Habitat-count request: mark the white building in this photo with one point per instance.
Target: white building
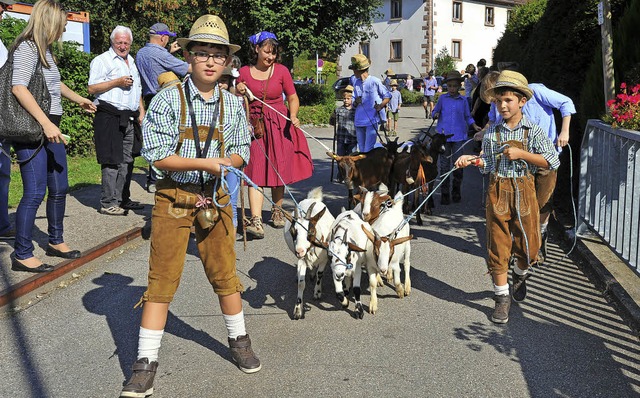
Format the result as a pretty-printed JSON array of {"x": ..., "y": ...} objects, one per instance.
[{"x": 412, "y": 32}]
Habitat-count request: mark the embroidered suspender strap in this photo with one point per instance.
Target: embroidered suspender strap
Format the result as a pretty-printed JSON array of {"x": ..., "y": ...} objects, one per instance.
[
  {"x": 183, "y": 112},
  {"x": 499, "y": 140}
]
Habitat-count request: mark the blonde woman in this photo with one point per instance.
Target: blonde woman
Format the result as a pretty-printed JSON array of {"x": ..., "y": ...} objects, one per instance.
[{"x": 46, "y": 172}]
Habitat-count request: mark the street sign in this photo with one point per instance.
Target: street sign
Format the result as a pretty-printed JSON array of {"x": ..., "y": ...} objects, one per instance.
[
  {"x": 320, "y": 63},
  {"x": 600, "y": 13}
]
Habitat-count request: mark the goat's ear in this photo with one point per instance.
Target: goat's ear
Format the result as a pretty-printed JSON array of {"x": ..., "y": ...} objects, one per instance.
[
  {"x": 401, "y": 240},
  {"x": 288, "y": 216},
  {"x": 448, "y": 136},
  {"x": 357, "y": 197},
  {"x": 370, "y": 235},
  {"x": 355, "y": 248},
  {"x": 382, "y": 189}
]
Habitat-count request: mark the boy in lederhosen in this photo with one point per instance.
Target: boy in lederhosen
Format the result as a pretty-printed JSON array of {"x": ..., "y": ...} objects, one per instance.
[
  {"x": 191, "y": 130},
  {"x": 512, "y": 152}
]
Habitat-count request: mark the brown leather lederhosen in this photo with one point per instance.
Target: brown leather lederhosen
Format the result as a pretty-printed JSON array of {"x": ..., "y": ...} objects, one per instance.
[
  {"x": 172, "y": 218},
  {"x": 503, "y": 216}
]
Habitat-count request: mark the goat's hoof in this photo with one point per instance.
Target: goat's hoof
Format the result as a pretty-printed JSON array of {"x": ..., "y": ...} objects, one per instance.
[
  {"x": 345, "y": 303},
  {"x": 317, "y": 295},
  {"x": 359, "y": 314},
  {"x": 297, "y": 313},
  {"x": 400, "y": 291}
]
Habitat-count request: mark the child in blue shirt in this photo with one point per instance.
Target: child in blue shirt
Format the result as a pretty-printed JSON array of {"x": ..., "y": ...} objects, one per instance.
[
  {"x": 454, "y": 119},
  {"x": 393, "y": 108}
]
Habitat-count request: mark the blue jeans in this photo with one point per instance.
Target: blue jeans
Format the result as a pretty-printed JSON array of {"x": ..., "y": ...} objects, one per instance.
[
  {"x": 5, "y": 178},
  {"x": 45, "y": 173}
]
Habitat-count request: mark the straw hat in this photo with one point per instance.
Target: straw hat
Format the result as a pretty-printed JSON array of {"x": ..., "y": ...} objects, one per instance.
[
  {"x": 209, "y": 29},
  {"x": 389, "y": 72},
  {"x": 454, "y": 75},
  {"x": 359, "y": 62},
  {"x": 393, "y": 82},
  {"x": 167, "y": 79},
  {"x": 513, "y": 80}
]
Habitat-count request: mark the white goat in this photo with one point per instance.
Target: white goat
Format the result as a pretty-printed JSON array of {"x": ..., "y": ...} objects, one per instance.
[
  {"x": 350, "y": 250},
  {"x": 307, "y": 235},
  {"x": 391, "y": 247}
]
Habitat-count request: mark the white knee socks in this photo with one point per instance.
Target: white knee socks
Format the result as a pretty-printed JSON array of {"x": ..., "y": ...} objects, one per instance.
[
  {"x": 501, "y": 290},
  {"x": 149, "y": 343},
  {"x": 235, "y": 324}
]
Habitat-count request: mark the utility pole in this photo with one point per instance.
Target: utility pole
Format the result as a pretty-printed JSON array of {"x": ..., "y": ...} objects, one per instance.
[{"x": 604, "y": 19}]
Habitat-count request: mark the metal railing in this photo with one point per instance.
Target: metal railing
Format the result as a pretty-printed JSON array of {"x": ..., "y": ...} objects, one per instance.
[{"x": 609, "y": 201}]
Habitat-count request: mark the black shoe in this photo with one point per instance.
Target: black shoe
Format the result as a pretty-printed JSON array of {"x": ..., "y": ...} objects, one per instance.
[
  {"x": 16, "y": 265},
  {"x": 140, "y": 384},
  {"x": 501, "y": 312},
  {"x": 132, "y": 205},
  {"x": 9, "y": 235},
  {"x": 445, "y": 200},
  {"x": 57, "y": 253},
  {"x": 519, "y": 287},
  {"x": 243, "y": 355}
]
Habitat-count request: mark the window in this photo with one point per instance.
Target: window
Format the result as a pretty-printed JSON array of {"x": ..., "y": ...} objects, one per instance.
[
  {"x": 456, "y": 49},
  {"x": 396, "y": 9},
  {"x": 488, "y": 16},
  {"x": 396, "y": 50},
  {"x": 364, "y": 49},
  {"x": 457, "y": 11}
]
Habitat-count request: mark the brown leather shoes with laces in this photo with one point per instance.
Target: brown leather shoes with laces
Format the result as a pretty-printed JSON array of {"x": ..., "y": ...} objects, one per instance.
[
  {"x": 140, "y": 384},
  {"x": 277, "y": 217},
  {"x": 501, "y": 312},
  {"x": 243, "y": 355},
  {"x": 254, "y": 227}
]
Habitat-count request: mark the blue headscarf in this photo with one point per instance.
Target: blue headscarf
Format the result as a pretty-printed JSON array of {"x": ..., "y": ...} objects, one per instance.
[{"x": 262, "y": 36}]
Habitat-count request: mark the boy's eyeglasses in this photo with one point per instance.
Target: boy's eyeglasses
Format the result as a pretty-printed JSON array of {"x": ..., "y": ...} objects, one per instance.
[{"x": 202, "y": 56}]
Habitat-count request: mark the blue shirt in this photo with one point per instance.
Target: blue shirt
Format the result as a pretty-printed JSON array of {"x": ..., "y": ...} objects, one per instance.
[
  {"x": 395, "y": 101},
  {"x": 455, "y": 116},
  {"x": 427, "y": 86},
  {"x": 372, "y": 92},
  {"x": 152, "y": 60},
  {"x": 539, "y": 109}
]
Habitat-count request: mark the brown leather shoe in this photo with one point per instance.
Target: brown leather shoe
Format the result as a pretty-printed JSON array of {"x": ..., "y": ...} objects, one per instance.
[
  {"x": 501, "y": 312},
  {"x": 140, "y": 384},
  {"x": 254, "y": 227},
  {"x": 243, "y": 355},
  {"x": 277, "y": 218}
]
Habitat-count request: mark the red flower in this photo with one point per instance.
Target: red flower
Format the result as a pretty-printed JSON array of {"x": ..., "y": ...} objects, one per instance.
[{"x": 625, "y": 108}]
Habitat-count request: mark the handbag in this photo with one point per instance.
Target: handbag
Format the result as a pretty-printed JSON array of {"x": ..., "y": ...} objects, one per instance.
[
  {"x": 18, "y": 126},
  {"x": 257, "y": 122}
]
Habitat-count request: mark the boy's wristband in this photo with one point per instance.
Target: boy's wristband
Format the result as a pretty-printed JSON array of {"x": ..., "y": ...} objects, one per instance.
[{"x": 476, "y": 162}]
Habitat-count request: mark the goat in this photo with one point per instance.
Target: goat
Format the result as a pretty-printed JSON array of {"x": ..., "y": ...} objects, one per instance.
[
  {"x": 350, "y": 250},
  {"x": 306, "y": 236},
  {"x": 414, "y": 168},
  {"x": 391, "y": 246},
  {"x": 366, "y": 169}
]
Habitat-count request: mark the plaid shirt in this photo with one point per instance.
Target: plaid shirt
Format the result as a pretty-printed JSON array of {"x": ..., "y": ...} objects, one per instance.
[
  {"x": 160, "y": 129},
  {"x": 537, "y": 142},
  {"x": 345, "y": 125}
]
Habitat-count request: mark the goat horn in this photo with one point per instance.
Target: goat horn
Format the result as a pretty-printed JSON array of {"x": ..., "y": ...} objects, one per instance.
[
  {"x": 370, "y": 236},
  {"x": 401, "y": 240},
  {"x": 334, "y": 156},
  {"x": 310, "y": 211},
  {"x": 344, "y": 237},
  {"x": 355, "y": 248}
]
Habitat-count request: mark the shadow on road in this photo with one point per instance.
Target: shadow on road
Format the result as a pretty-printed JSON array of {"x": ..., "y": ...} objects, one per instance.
[{"x": 115, "y": 298}]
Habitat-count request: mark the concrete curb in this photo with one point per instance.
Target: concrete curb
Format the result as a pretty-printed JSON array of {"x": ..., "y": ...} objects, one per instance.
[
  {"x": 28, "y": 285},
  {"x": 588, "y": 258}
]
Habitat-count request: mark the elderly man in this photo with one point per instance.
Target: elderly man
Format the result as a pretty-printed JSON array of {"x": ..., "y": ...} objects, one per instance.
[
  {"x": 6, "y": 233},
  {"x": 152, "y": 60},
  {"x": 115, "y": 82}
]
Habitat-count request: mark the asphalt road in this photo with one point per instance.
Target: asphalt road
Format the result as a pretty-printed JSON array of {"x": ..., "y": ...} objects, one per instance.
[{"x": 565, "y": 340}]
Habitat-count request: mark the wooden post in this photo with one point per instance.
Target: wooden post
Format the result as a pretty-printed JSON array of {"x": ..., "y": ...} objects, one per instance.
[{"x": 604, "y": 19}]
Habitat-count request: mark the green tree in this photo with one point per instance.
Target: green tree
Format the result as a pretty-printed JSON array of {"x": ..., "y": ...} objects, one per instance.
[
  {"x": 324, "y": 26},
  {"x": 444, "y": 62}
]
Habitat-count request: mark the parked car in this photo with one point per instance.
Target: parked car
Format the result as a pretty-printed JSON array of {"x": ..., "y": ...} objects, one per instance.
[
  {"x": 340, "y": 84},
  {"x": 402, "y": 81},
  {"x": 441, "y": 83}
]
